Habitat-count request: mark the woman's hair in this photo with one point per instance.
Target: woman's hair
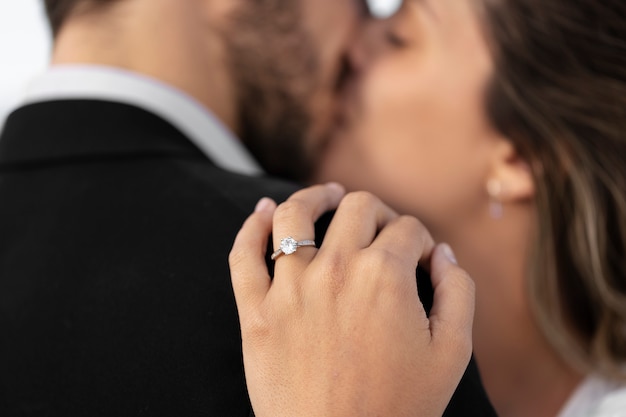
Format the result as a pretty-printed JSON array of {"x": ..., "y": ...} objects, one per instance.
[{"x": 559, "y": 93}]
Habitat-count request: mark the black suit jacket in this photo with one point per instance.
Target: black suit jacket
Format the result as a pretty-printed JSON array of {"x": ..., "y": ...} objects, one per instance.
[{"x": 115, "y": 295}]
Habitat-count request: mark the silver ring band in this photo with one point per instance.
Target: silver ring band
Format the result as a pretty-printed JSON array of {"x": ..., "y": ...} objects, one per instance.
[{"x": 289, "y": 245}]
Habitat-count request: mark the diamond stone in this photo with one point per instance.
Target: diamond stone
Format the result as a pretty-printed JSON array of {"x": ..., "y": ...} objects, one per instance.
[{"x": 288, "y": 245}]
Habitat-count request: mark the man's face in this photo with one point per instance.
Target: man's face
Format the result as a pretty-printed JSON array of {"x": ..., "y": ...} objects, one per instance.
[{"x": 287, "y": 58}]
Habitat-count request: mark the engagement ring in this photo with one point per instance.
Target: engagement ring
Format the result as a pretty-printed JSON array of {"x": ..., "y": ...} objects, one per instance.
[{"x": 289, "y": 245}]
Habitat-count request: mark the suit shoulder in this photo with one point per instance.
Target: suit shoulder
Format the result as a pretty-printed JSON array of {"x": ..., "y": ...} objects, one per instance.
[{"x": 235, "y": 190}]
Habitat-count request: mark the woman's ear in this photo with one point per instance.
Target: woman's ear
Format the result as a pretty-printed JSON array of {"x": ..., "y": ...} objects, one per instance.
[{"x": 510, "y": 178}]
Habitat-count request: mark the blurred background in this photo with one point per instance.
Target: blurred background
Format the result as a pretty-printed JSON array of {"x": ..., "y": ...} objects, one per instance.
[{"x": 24, "y": 49}]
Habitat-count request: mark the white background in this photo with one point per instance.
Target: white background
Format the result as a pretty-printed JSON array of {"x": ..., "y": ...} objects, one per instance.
[{"x": 24, "y": 48}]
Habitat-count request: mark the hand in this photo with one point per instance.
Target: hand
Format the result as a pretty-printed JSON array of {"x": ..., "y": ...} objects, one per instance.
[{"x": 340, "y": 331}]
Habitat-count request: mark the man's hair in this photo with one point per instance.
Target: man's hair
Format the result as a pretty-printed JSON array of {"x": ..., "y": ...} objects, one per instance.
[{"x": 58, "y": 11}]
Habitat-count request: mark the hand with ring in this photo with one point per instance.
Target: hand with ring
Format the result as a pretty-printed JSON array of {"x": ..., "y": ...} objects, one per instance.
[{"x": 340, "y": 331}]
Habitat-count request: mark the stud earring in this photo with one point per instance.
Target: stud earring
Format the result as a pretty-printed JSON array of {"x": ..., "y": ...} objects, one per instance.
[{"x": 494, "y": 189}]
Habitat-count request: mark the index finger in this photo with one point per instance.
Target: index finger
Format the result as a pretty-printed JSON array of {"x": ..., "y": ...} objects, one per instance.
[{"x": 248, "y": 270}]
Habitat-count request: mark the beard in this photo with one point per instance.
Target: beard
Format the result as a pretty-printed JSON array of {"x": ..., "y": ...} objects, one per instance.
[{"x": 274, "y": 65}]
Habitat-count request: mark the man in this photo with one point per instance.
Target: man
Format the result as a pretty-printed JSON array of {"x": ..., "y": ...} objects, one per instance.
[{"x": 123, "y": 184}]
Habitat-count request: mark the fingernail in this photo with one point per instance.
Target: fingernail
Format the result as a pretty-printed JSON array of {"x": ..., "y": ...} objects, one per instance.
[
  {"x": 447, "y": 250},
  {"x": 336, "y": 186},
  {"x": 264, "y": 204}
]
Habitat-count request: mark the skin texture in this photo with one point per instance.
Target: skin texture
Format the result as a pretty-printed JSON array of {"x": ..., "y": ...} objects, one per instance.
[
  {"x": 415, "y": 133},
  {"x": 340, "y": 306}
]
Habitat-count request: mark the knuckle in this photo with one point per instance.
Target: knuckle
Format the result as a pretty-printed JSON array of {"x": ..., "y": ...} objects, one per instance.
[
  {"x": 237, "y": 257},
  {"x": 334, "y": 270},
  {"x": 307, "y": 193},
  {"x": 379, "y": 258},
  {"x": 334, "y": 263},
  {"x": 360, "y": 199},
  {"x": 411, "y": 225},
  {"x": 291, "y": 209},
  {"x": 381, "y": 263},
  {"x": 413, "y": 228},
  {"x": 256, "y": 328}
]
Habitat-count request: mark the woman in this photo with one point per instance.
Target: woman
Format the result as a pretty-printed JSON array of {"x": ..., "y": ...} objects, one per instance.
[{"x": 501, "y": 124}]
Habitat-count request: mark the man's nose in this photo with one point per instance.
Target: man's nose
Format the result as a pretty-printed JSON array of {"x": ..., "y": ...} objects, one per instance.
[{"x": 369, "y": 43}]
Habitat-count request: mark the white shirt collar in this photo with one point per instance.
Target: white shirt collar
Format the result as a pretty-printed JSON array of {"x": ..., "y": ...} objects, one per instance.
[
  {"x": 595, "y": 397},
  {"x": 179, "y": 109}
]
